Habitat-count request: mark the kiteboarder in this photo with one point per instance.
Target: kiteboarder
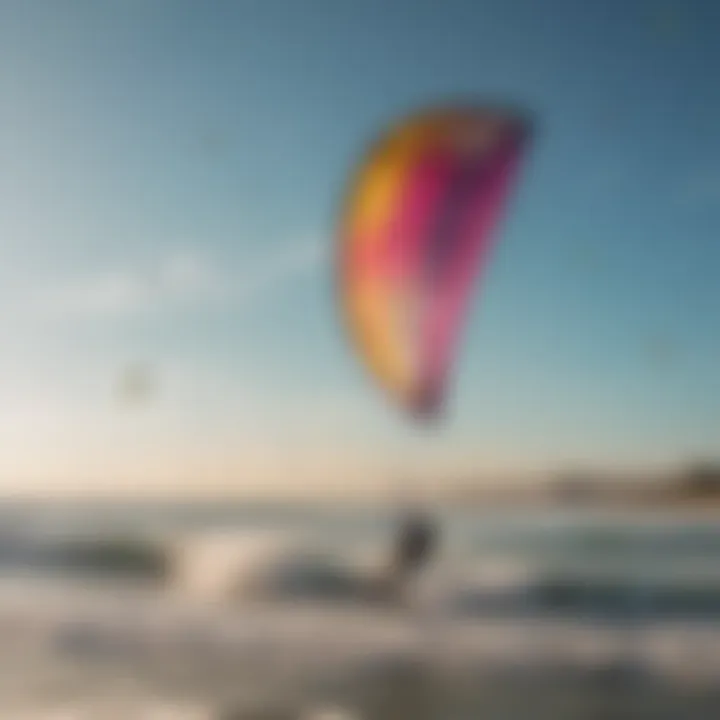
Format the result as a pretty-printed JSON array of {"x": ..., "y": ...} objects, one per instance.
[
  {"x": 415, "y": 233},
  {"x": 416, "y": 543}
]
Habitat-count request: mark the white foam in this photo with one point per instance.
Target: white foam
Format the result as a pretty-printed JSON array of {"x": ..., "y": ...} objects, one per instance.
[{"x": 210, "y": 566}]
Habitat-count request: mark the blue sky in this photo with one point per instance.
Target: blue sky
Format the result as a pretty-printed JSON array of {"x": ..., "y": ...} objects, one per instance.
[{"x": 169, "y": 178}]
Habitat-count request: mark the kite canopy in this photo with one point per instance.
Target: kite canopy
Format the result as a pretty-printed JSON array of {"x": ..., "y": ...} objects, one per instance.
[{"x": 414, "y": 234}]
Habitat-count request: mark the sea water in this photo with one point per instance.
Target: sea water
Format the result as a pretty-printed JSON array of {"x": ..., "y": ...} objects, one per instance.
[{"x": 135, "y": 609}]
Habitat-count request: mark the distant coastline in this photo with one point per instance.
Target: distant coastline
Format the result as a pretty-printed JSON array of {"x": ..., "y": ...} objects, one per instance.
[
  {"x": 649, "y": 505},
  {"x": 695, "y": 488},
  {"x": 692, "y": 489}
]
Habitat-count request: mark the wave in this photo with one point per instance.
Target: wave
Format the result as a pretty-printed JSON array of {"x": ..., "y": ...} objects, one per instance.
[
  {"x": 274, "y": 566},
  {"x": 126, "y": 556},
  {"x": 613, "y": 598},
  {"x": 269, "y": 565},
  {"x": 203, "y": 565}
]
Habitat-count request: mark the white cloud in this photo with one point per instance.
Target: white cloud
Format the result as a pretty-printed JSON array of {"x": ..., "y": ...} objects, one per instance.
[
  {"x": 176, "y": 281},
  {"x": 105, "y": 293},
  {"x": 278, "y": 270},
  {"x": 186, "y": 274}
]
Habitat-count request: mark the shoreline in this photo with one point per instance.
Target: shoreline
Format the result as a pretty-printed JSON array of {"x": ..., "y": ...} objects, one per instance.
[
  {"x": 520, "y": 501},
  {"x": 644, "y": 506}
]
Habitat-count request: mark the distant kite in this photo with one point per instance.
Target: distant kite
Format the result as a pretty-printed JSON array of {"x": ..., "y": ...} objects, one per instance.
[
  {"x": 136, "y": 384},
  {"x": 415, "y": 231}
]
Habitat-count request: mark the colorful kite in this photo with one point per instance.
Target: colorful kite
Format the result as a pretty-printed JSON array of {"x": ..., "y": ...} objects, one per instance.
[{"x": 415, "y": 231}]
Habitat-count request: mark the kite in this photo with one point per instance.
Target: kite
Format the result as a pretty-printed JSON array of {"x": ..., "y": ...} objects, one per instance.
[
  {"x": 136, "y": 384},
  {"x": 414, "y": 233}
]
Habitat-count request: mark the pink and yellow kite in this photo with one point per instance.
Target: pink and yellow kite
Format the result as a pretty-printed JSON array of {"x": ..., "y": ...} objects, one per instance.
[{"x": 416, "y": 229}]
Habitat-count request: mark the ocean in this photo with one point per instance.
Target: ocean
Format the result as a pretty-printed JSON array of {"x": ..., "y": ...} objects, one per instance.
[{"x": 168, "y": 610}]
